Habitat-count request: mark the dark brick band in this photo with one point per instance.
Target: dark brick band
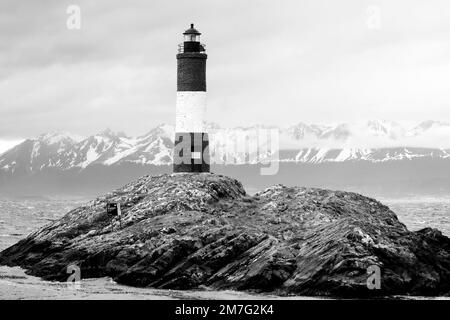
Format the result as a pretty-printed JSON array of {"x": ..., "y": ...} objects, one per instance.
[
  {"x": 186, "y": 143},
  {"x": 191, "y": 72}
]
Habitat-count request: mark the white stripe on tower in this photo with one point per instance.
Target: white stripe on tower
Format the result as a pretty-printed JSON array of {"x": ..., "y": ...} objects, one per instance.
[{"x": 191, "y": 111}]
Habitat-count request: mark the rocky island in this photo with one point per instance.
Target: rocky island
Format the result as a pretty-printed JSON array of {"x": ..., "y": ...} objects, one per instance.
[{"x": 203, "y": 231}]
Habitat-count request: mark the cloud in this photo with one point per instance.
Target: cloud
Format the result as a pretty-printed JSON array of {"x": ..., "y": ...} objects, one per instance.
[{"x": 269, "y": 62}]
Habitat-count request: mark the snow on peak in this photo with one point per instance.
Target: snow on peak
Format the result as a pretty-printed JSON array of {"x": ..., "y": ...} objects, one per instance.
[
  {"x": 162, "y": 130},
  {"x": 57, "y": 137},
  {"x": 371, "y": 134},
  {"x": 385, "y": 128},
  {"x": 167, "y": 130},
  {"x": 108, "y": 133},
  {"x": 428, "y": 125},
  {"x": 300, "y": 130}
]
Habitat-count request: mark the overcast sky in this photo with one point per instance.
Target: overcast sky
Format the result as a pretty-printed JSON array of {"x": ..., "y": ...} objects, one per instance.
[{"x": 270, "y": 62}]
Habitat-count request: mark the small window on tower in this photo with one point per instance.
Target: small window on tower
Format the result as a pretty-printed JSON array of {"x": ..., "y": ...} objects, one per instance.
[{"x": 196, "y": 155}]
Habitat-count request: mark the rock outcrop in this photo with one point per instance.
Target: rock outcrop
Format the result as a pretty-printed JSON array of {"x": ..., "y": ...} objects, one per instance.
[{"x": 186, "y": 231}]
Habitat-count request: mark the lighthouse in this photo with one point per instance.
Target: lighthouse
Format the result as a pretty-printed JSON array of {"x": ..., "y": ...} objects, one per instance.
[{"x": 191, "y": 147}]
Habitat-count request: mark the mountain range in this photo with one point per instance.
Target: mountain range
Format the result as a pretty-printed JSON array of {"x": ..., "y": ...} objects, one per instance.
[{"x": 62, "y": 157}]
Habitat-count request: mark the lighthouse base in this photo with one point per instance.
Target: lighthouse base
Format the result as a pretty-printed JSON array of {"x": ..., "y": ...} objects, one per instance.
[{"x": 191, "y": 152}]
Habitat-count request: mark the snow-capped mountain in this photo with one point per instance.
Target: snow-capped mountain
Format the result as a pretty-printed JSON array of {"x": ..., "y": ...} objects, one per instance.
[
  {"x": 373, "y": 141},
  {"x": 64, "y": 151}
]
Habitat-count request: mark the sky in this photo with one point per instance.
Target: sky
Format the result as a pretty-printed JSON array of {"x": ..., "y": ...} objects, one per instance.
[{"x": 269, "y": 62}]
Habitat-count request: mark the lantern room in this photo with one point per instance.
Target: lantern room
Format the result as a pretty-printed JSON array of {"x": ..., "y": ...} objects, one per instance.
[
  {"x": 192, "y": 34},
  {"x": 191, "y": 42}
]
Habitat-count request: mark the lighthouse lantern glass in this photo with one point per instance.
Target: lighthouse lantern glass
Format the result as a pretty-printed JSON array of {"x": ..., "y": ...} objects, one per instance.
[{"x": 192, "y": 37}]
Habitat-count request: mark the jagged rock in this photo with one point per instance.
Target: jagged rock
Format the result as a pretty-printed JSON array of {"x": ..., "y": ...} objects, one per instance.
[{"x": 185, "y": 231}]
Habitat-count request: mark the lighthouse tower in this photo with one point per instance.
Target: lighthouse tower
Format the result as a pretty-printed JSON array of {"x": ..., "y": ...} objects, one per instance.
[{"x": 191, "y": 151}]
